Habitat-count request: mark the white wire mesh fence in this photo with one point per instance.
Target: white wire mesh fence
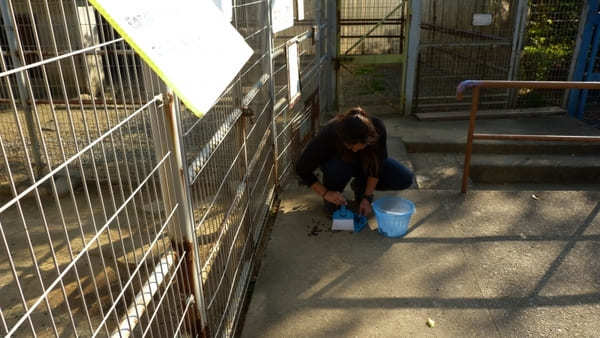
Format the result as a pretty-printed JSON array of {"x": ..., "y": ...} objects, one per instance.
[
  {"x": 87, "y": 248},
  {"x": 120, "y": 212}
]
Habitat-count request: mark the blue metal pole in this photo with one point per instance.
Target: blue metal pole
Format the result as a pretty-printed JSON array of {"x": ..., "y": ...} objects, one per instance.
[{"x": 585, "y": 61}]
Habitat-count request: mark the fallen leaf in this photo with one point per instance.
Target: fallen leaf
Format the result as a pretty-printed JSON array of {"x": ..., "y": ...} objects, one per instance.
[{"x": 430, "y": 322}]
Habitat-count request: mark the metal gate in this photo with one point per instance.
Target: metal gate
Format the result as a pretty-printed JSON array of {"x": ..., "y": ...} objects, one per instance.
[
  {"x": 122, "y": 214},
  {"x": 466, "y": 40},
  {"x": 586, "y": 64},
  {"x": 371, "y": 52}
]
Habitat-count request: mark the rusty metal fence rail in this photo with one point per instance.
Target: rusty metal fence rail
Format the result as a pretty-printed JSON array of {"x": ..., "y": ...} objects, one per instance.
[
  {"x": 476, "y": 86},
  {"x": 122, "y": 214}
]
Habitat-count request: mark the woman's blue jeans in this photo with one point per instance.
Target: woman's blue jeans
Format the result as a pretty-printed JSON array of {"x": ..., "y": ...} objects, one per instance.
[{"x": 393, "y": 176}]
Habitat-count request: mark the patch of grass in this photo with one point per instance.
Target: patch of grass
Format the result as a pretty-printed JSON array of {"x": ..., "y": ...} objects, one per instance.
[
  {"x": 377, "y": 85},
  {"x": 365, "y": 70}
]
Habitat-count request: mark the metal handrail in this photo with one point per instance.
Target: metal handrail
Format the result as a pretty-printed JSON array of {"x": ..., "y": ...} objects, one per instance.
[{"x": 477, "y": 85}]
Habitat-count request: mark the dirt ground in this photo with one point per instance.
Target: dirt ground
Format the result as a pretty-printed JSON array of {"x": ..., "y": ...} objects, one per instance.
[
  {"x": 371, "y": 84},
  {"x": 110, "y": 261},
  {"x": 111, "y": 258},
  {"x": 84, "y": 126},
  {"x": 95, "y": 281}
]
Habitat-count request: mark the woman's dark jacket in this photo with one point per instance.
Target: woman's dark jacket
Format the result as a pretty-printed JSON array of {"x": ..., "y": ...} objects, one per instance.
[{"x": 327, "y": 145}]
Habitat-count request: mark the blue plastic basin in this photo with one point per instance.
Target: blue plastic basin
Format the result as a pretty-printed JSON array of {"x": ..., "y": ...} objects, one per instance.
[{"x": 393, "y": 215}]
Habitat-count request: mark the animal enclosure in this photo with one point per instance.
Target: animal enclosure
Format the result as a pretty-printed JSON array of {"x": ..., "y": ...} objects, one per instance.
[{"x": 121, "y": 213}]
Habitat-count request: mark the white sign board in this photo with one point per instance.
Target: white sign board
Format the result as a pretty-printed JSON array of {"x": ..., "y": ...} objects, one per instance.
[
  {"x": 293, "y": 72},
  {"x": 482, "y": 19},
  {"x": 282, "y": 14},
  {"x": 188, "y": 44},
  {"x": 225, "y": 7},
  {"x": 300, "y": 10}
]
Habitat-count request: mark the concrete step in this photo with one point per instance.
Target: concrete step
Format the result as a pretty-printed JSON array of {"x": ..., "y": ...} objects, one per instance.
[
  {"x": 491, "y": 114},
  {"x": 443, "y": 171},
  {"x": 450, "y": 136},
  {"x": 542, "y": 168},
  {"x": 485, "y": 97},
  {"x": 438, "y": 171},
  {"x": 397, "y": 150},
  {"x": 506, "y": 147},
  {"x": 448, "y": 106}
]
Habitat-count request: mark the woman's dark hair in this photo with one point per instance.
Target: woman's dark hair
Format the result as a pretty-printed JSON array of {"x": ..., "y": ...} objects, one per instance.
[{"x": 353, "y": 127}]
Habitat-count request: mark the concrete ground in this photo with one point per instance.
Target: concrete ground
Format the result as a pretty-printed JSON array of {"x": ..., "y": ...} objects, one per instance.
[
  {"x": 485, "y": 264},
  {"x": 496, "y": 262}
]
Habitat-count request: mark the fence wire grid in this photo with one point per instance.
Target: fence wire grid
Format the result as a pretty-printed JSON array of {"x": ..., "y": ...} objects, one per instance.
[
  {"x": 452, "y": 49},
  {"x": 98, "y": 236},
  {"x": 549, "y": 38},
  {"x": 372, "y": 36},
  {"x": 524, "y": 40}
]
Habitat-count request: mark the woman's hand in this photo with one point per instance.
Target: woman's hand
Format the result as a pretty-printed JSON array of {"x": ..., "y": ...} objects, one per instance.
[
  {"x": 335, "y": 198},
  {"x": 365, "y": 207}
]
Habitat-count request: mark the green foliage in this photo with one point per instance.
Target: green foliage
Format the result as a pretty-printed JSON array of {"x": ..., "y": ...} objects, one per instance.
[
  {"x": 377, "y": 85},
  {"x": 540, "y": 62},
  {"x": 365, "y": 70},
  {"x": 550, "y": 42},
  {"x": 372, "y": 80},
  {"x": 551, "y": 35}
]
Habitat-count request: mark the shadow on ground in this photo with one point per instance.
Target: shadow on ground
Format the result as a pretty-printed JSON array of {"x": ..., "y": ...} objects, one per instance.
[{"x": 491, "y": 263}]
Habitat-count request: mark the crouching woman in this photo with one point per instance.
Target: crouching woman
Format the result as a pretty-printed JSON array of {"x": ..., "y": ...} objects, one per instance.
[{"x": 351, "y": 145}]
